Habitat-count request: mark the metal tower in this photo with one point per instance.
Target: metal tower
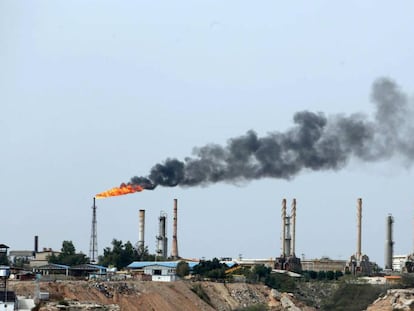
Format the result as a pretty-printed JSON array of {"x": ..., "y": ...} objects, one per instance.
[{"x": 93, "y": 247}]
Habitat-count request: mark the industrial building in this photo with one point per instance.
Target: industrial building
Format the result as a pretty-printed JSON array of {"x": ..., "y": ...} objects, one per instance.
[
  {"x": 288, "y": 260},
  {"x": 161, "y": 271},
  {"x": 323, "y": 264},
  {"x": 161, "y": 238},
  {"x": 358, "y": 263}
]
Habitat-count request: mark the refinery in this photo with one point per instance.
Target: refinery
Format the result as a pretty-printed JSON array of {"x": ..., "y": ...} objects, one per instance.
[{"x": 286, "y": 259}]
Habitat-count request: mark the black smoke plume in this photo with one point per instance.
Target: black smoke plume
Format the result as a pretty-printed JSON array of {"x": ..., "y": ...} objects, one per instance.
[{"x": 316, "y": 142}]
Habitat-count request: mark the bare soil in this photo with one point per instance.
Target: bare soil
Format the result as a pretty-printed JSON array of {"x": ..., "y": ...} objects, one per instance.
[{"x": 152, "y": 296}]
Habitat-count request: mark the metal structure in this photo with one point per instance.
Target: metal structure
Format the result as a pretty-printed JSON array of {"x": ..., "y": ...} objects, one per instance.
[
  {"x": 288, "y": 259},
  {"x": 36, "y": 244},
  {"x": 93, "y": 246},
  {"x": 141, "y": 233},
  {"x": 293, "y": 217},
  {"x": 174, "y": 247},
  {"x": 162, "y": 236},
  {"x": 359, "y": 229},
  {"x": 283, "y": 227},
  {"x": 389, "y": 243},
  {"x": 358, "y": 263}
]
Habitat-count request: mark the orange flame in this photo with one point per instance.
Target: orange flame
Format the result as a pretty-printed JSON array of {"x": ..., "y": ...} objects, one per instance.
[{"x": 121, "y": 190}]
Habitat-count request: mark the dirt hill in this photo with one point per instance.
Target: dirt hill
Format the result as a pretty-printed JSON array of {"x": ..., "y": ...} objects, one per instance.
[{"x": 175, "y": 296}]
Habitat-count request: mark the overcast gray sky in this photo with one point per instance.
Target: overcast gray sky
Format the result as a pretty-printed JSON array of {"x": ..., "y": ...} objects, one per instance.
[{"x": 93, "y": 93}]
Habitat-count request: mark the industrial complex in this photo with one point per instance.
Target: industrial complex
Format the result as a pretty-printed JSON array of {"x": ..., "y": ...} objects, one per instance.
[{"x": 358, "y": 263}]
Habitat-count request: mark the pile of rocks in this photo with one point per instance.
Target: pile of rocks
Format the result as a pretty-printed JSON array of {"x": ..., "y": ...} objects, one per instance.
[
  {"x": 395, "y": 299},
  {"x": 243, "y": 295}
]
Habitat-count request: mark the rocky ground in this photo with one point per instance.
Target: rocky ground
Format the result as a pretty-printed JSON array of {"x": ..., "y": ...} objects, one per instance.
[
  {"x": 193, "y": 296},
  {"x": 394, "y": 300},
  {"x": 175, "y": 296}
]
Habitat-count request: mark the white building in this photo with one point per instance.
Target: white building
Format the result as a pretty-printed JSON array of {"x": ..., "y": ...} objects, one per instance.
[
  {"x": 161, "y": 271},
  {"x": 398, "y": 262}
]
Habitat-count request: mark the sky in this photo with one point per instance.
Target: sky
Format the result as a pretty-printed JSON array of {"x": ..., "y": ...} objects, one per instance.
[{"x": 93, "y": 93}]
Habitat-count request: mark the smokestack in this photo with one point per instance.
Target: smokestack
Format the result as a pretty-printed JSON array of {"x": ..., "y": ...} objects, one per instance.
[
  {"x": 141, "y": 235},
  {"x": 174, "y": 248},
  {"x": 359, "y": 229},
  {"x": 162, "y": 237},
  {"x": 293, "y": 215},
  {"x": 389, "y": 244},
  {"x": 36, "y": 244},
  {"x": 283, "y": 226}
]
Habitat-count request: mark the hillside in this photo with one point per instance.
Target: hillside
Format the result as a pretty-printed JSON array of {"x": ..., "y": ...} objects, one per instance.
[{"x": 176, "y": 296}]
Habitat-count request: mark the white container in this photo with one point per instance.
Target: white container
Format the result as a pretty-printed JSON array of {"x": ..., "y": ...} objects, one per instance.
[{"x": 4, "y": 271}]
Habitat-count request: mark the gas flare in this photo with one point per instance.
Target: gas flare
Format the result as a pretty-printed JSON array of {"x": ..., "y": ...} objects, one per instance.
[
  {"x": 121, "y": 190},
  {"x": 315, "y": 142}
]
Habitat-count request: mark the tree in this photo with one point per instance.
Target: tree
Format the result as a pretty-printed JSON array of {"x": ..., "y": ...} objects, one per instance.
[
  {"x": 142, "y": 254},
  {"x": 211, "y": 269},
  {"x": 330, "y": 275},
  {"x": 182, "y": 269},
  {"x": 338, "y": 274},
  {"x": 321, "y": 275},
  {"x": 281, "y": 282},
  {"x": 68, "y": 249},
  {"x": 119, "y": 256},
  {"x": 68, "y": 255},
  {"x": 261, "y": 271}
]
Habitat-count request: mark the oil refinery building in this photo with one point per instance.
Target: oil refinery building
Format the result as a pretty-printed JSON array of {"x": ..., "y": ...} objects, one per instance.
[{"x": 323, "y": 264}]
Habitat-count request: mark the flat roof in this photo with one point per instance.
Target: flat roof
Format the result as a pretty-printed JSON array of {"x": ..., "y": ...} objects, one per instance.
[{"x": 169, "y": 264}]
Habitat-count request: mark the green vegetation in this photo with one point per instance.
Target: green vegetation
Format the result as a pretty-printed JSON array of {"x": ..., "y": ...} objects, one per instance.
[
  {"x": 211, "y": 269},
  {"x": 142, "y": 254},
  {"x": 350, "y": 297},
  {"x": 121, "y": 255},
  {"x": 322, "y": 275},
  {"x": 407, "y": 281},
  {"x": 182, "y": 269},
  {"x": 281, "y": 282},
  {"x": 68, "y": 255}
]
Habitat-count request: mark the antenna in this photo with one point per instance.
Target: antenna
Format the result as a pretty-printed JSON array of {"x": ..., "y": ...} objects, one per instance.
[{"x": 93, "y": 247}]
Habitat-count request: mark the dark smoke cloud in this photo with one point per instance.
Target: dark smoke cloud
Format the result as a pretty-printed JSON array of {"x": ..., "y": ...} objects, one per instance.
[{"x": 315, "y": 142}]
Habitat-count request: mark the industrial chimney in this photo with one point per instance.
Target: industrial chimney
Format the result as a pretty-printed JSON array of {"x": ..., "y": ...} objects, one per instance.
[
  {"x": 283, "y": 227},
  {"x": 141, "y": 233},
  {"x": 36, "y": 244},
  {"x": 359, "y": 229},
  {"x": 389, "y": 244},
  {"x": 174, "y": 247},
  {"x": 293, "y": 216},
  {"x": 287, "y": 234},
  {"x": 288, "y": 260},
  {"x": 162, "y": 236}
]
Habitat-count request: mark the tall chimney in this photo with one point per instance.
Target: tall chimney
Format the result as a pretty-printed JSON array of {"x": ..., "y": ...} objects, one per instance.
[
  {"x": 389, "y": 242},
  {"x": 283, "y": 226},
  {"x": 174, "y": 247},
  {"x": 162, "y": 236},
  {"x": 141, "y": 233},
  {"x": 359, "y": 229},
  {"x": 293, "y": 215},
  {"x": 36, "y": 244}
]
